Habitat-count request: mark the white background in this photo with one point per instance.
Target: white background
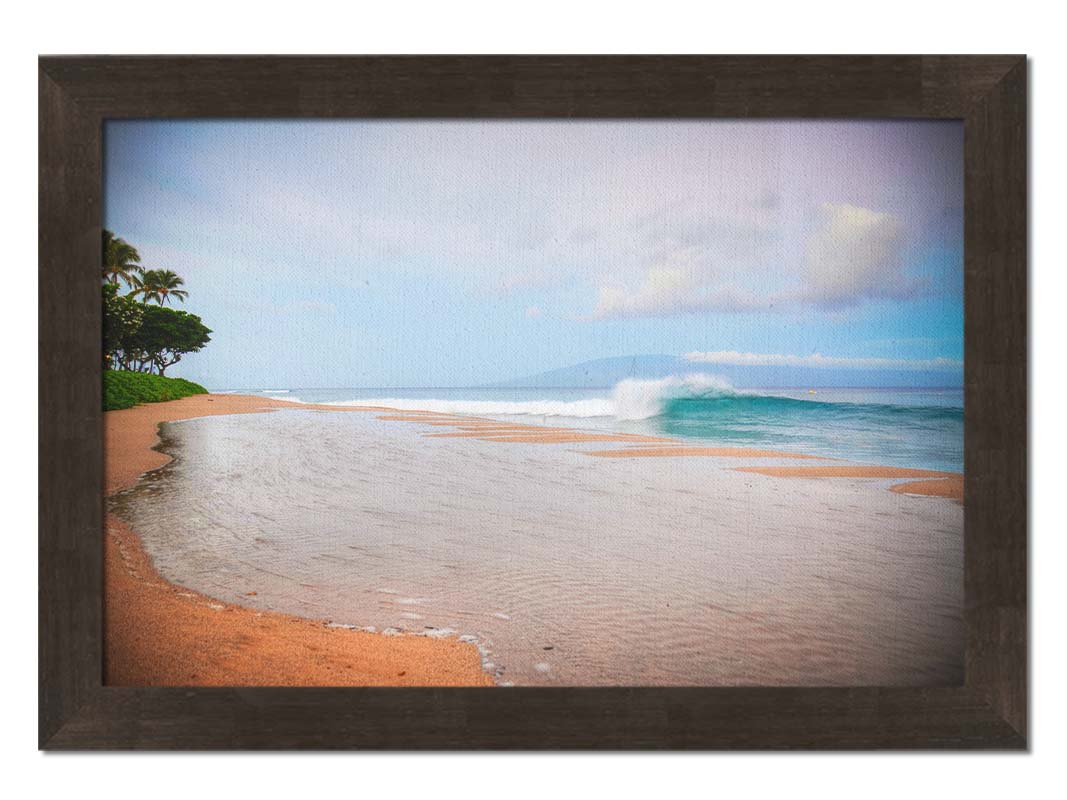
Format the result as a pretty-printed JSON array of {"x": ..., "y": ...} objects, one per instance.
[{"x": 451, "y": 26}]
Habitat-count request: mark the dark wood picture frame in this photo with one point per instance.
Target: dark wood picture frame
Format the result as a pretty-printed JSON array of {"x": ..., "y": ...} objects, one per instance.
[{"x": 989, "y": 93}]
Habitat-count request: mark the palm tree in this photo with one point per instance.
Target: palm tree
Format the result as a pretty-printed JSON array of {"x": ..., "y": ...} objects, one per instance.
[
  {"x": 121, "y": 260},
  {"x": 160, "y": 285}
]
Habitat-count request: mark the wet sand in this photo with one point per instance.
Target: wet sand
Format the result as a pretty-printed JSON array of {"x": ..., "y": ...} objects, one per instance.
[
  {"x": 159, "y": 634},
  {"x": 951, "y": 487},
  {"x": 936, "y": 484},
  {"x": 563, "y": 436},
  {"x": 707, "y": 452},
  {"x": 490, "y": 430}
]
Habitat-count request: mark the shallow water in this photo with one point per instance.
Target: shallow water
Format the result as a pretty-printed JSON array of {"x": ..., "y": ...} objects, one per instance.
[
  {"x": 906, "y": 427},
  {"x": 565, "y": 569}
]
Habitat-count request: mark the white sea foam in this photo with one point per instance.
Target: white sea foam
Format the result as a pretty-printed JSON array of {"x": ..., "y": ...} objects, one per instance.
[
  {"x": 641, "y": 399},
  {"x": 292, "y": 398},
  {"x": 591, "y": 407},
  {"x": 438, "y": 633},
  {"x": 631, "y": 399}
]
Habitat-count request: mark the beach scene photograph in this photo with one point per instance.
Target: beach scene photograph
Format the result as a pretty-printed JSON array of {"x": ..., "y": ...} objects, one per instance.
[{"x": 504, "y": 403}]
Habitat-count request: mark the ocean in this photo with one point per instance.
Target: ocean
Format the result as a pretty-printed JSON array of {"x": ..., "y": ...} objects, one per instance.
[
  {"x": 901, "y": 427},
  {"x": 569, "y": 570}
]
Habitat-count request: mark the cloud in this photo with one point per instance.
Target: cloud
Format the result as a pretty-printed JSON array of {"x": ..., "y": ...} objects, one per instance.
[
  {"x": 671, "y": 291},
  {"x": 857, "y": 254},
  {"x": 656, "y": 219},
  {"x": 685, "y": 282},
  {"x": 738, "y": 359},
  {"x": 533, "y": 312}
]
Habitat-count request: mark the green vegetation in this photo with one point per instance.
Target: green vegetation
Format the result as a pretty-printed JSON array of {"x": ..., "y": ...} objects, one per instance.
[
  {"x": 127, "y": 389},
  {"x": 121, "y": 260},
  {"x": 159, "y": 285},
  {"x": 142, "y": 340}
]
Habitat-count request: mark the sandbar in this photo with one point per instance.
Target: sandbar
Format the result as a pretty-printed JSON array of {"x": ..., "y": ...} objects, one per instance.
[{"x": 936, "y": 484}]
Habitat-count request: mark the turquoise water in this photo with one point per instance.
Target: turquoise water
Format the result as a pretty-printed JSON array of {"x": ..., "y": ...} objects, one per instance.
[
  {"x": 904, "y": 428},
  {"x": 920, "y": 428}
]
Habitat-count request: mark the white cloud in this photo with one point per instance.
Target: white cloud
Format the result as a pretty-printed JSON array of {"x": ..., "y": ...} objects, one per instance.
[
  {"x": 735, "y": 358},
  {"x": 533, "y": 312},
  {"x": 683, "y": 282},
  {"x": 857, "y": 255},
  {"x": 654, "y": 219},
  {"x": 668, "y": 291},
  {"x": 664, "y": 289}
]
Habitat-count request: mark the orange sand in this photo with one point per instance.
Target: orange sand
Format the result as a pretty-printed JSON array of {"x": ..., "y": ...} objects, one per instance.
[
  {"x": 498, "y": 428},
  {"x": 481, "y": 433},
  {"x": 944, "y": 484},
  {"x": 487, "y": 436},
  {"x": 564, "y": 436},
  {"x": 940, "y": 487},
  {"x": 723, "y": 452},
  {"x": 428, "y": 418},
  {"x": 490, "y": 430},
  {"x": 159, "y": 634}
]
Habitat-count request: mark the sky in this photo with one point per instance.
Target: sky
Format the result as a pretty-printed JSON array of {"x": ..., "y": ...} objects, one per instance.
[{"x": 459, "y": 253}]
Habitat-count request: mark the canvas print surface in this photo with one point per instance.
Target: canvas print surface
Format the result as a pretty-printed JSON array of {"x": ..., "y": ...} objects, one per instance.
[{"x": 533, "y": 403}]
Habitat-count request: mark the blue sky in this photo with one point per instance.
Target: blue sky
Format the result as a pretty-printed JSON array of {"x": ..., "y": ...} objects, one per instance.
[{"x": 438, "y": 253}]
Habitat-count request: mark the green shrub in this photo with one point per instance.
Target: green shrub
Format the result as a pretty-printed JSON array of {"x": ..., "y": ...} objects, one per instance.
[{"x": 127, "y": 389}]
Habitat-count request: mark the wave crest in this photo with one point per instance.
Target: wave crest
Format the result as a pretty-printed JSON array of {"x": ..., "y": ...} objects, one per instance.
[{"x": 642, "y": 399}]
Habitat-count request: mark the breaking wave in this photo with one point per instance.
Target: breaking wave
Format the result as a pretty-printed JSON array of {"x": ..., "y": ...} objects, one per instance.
[
  {"x": 673, "y": 399},
  {"x": 631, "y": 399}
]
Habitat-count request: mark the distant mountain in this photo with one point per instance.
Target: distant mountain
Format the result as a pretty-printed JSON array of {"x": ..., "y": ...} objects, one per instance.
[
  {"x": 603, "y": 372},
  {"x": 606, "y": 372}
]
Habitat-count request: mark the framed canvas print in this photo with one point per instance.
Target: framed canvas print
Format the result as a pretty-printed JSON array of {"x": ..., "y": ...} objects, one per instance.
[{"x": 530, "y": 402}]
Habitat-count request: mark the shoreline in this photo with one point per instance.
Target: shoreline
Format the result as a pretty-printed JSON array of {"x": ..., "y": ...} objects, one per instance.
[
  {"x": 157, "y": 633},
  {"x": 161, "y": 634}
]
